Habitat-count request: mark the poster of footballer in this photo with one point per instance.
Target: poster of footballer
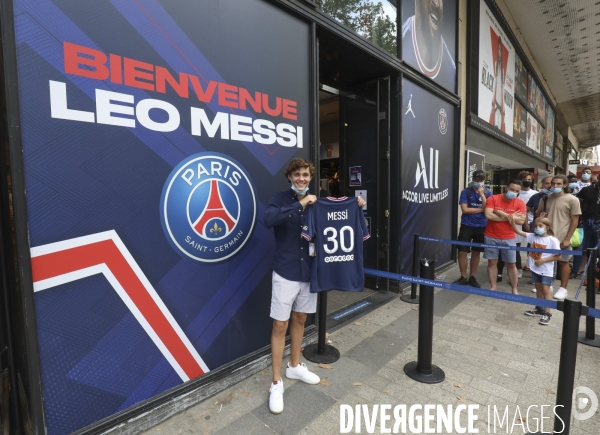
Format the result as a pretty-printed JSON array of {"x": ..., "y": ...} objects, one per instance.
[
  {"x": 429, "y": 39},
  {"x": 427, "y": 174},
  {"x": 496, "y": 72},
  {"x": 153, "y": 136}
]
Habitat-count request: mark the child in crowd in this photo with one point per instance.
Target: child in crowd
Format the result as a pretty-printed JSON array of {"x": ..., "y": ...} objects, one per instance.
[{"x": 540, "y": 263}]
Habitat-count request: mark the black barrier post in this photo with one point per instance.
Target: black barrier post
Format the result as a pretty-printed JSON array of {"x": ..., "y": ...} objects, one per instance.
[
  {"x": 321, "y": 352},
  {"x": 588, "y": 336},
  {"x": 413, "y": 298},
  {"x": 423, "y": 370},
  {"x": 572, "y": 308}
]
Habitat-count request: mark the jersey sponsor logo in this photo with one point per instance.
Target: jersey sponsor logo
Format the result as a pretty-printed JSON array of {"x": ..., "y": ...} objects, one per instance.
[
  {"x": 208, "y": 207},
  {"x": 335, "y": 258}
]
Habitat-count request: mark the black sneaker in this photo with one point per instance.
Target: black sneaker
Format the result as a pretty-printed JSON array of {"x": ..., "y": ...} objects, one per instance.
[
  {"x": 462, "y": 281},
  {"x": 545, "y": 318},
  {"x": 537, "y": 311},
  {"x": 473, "y": 282},
  {"x": 499, "y": 278}
]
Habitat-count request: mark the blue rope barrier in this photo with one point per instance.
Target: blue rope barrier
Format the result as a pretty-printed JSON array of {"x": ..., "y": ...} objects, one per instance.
[
  {"x": 593, "y": 312},
  {"x": 583, "y": 276},
  {"x": 465, "y": 289},
  {"x": 500, "y": 247}
]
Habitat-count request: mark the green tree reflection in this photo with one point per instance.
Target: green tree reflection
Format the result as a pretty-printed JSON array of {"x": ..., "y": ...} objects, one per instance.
[{"x": 365, "y": 17}]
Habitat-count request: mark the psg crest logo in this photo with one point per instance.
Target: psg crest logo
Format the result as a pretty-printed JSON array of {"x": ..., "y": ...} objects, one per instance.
[
  {"x": 443, "y": 121},
  {"x": 208, "y": 207}
]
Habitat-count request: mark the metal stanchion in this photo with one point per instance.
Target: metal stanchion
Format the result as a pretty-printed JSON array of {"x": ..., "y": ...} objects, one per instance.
[
  {"x": 321, "y": 352},
  {"x": 589, "y": 336},
  {"x": 413, "y": 298},
  {"x": 423, "y": 370},
  {"x": 572, "y": 309}
]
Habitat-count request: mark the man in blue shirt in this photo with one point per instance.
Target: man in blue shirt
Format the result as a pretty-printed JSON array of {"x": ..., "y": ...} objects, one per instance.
[
  {"x": 472, "y": 226},
  {"x": 534, "y": 201},
  {"x": 291, "y": 296}
]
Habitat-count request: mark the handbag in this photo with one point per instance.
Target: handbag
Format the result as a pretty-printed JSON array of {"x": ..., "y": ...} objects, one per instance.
[{"x": 577, "y": 238}]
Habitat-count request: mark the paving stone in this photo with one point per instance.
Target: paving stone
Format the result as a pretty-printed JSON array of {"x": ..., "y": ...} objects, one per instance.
[
  {"x": 345, "y": 371},
  {"x": 302, "y": 403},
  {"x": 494, "y": 389},
  {"x": 247, "y": 424}
]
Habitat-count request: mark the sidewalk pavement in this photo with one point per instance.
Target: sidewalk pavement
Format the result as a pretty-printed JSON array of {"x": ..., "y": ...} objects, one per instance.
[{"x": 491, "y": 352}]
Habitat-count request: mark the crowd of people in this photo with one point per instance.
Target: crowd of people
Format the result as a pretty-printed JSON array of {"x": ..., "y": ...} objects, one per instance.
[{"x": 564, "y": 212}]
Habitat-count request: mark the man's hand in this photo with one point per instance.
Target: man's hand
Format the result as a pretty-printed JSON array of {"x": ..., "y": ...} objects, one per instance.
[
  {"x": 308, "y": 199},
  {"x": 481, "y": 191},
  {"x": 538, "y": 263},
  {"x": 361, "y": 202},
  {"x": 565, "y": 243},
  {"x": 543, "y": 214}
]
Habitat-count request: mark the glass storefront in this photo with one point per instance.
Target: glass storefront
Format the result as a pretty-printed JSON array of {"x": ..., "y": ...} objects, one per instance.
[{"x": 374, "y": 20}]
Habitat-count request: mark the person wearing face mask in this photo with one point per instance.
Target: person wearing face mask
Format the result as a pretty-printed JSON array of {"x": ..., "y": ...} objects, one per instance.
[
  {"x": 573, "y": 186},
  {"x": 525, "y": 194},
  {"x": 586, "y": 180},
  {"x": 499, "y": 232},
  {"x": 574, "y": 189},
  {"x": 472, "y": 225},
  {"x": 291, "y": 299},
  {"x": 540, "y": 263},
  {"x": 563, "y": 210},
  {"x": 590, "y": 208},
  {"x": 534, "y": 201}
]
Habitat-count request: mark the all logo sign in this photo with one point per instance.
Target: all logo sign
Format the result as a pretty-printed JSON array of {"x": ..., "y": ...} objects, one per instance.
[{"x": 208, "y": 207}]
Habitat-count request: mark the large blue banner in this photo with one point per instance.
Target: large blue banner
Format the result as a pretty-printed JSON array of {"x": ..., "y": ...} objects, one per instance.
[
  {"x": 427, "y": 174},
  {"x": 154, "y": 132}
]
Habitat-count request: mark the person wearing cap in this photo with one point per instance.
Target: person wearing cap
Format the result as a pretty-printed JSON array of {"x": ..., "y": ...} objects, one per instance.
[{"x": 472, "y": 225}]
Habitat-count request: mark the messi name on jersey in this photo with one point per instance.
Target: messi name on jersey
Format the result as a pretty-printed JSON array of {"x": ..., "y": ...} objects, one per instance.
[{"x": 338, "y": 228}]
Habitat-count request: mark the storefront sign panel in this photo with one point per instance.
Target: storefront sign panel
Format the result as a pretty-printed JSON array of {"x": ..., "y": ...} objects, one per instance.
[
  {"x": 427, "y": 173},
  {"x": 153, "y": 136}
]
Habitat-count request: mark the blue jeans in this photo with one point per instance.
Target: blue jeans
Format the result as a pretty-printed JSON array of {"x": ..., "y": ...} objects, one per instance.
[{"x": 590, "y": 235}]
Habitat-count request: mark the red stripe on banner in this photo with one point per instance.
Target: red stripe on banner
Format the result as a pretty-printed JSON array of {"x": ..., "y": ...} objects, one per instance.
[{"x": 80, "y": 257}]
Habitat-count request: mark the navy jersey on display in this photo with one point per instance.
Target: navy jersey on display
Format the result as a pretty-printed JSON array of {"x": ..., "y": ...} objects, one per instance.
[{"x": 338, "y": 228}]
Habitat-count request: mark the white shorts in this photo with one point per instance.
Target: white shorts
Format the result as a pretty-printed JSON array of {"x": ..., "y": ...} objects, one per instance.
[
  {"x": 288, "y": 296},
  {"x": 566, "y": 257}
]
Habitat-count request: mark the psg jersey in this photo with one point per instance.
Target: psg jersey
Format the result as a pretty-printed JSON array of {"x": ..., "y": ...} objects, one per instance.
[
  {"x": 338, "y": 228},
  {"x": 443, "y": 72}
]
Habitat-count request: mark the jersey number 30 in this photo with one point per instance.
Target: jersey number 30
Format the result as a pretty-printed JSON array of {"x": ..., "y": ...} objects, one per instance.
[{"x": 333, "y": 239}]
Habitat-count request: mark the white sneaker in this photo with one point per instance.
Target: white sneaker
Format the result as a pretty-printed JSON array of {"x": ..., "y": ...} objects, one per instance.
[
  {"x": 533, "y": 290},
  {"x": 276, "y": 398},
  {"x": 520, "y": 273},
  {"x": 302, "y": 373},
  {"x": 561, "y": 294}
]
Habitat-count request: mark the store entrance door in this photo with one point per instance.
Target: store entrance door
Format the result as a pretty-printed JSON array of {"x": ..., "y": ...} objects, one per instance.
[
  {"x": 364, "y": 161},
  {"x": 354, "y": 160}
]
